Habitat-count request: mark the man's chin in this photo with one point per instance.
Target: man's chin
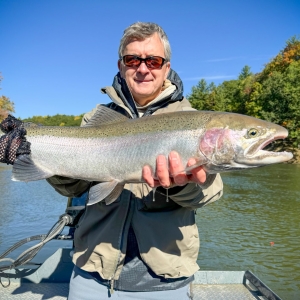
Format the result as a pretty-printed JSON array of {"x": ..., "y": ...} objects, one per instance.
[{"x": 143, "y": 98}]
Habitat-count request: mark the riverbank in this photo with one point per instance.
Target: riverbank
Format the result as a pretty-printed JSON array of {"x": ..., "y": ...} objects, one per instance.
[{"x": 296, "y": 158}]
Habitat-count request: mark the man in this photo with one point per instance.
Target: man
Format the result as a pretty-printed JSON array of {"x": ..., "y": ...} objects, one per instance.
[{"x": 145, "y": 244}]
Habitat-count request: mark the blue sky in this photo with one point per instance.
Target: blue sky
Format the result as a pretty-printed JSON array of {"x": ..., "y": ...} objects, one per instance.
[{"x": 55, "y": 55}]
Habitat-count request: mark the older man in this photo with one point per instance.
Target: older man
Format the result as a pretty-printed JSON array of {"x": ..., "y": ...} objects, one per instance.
[{"x": 145, "y": 244}]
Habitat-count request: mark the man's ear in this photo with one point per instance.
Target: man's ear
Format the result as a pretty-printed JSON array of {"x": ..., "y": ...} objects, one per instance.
[
  {"x": 121, "y": 68},
  {"x": 168, "y": 67}
]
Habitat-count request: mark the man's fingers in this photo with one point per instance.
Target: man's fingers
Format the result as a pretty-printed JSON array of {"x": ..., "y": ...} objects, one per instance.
[
  {"x": 162, "y": 171},
  {"x": 198, "y": 174},
  {"x": 176, "y": 168},
  {"x": 147, "y": 176}
]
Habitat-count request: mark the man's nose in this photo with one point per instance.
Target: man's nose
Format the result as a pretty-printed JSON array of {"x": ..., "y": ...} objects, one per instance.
[{"x": 143, "y": 68}]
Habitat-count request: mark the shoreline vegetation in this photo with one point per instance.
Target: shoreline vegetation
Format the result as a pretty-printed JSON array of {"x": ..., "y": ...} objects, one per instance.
[
  {"x": 296, "y": 158},
  {"x": 272, "y": 95}
]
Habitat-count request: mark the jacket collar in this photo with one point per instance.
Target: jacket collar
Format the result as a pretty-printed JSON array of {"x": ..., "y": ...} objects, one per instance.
[{"x": 125, "y": 99}]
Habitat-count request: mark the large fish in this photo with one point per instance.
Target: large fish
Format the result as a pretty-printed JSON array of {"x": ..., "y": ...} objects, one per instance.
[{"x": 113, "y": 149}]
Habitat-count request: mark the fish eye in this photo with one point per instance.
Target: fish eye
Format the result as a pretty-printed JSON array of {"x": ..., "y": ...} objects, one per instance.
[{"x": 253, "y": 132}]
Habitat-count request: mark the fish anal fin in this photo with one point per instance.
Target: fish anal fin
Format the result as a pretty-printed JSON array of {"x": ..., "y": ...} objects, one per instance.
[
  {"x": 104, "y": 190},
  {"x": 113, "y": 196}
]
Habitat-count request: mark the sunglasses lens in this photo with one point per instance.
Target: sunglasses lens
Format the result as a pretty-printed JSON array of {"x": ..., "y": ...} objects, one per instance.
[
  {"x": 131, "y": 61},
  {"x": 154, "y": 62}
]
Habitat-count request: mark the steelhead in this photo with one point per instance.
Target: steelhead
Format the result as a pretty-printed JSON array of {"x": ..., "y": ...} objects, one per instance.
[{"x": 112, "y": 149}]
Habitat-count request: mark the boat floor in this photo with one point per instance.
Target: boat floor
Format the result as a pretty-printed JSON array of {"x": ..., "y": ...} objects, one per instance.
[
  {"x": 51, "y": 281},
  {"x": 59, "y": 291}
]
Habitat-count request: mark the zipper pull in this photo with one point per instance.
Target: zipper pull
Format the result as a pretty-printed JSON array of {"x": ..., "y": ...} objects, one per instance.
[
  {"x": 154, "y": 191},
  {"x": 167, "y": 194},
  {"x": 111, "y": 282}
]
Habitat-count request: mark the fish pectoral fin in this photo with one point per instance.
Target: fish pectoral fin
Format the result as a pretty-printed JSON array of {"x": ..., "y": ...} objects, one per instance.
[
  {"x": 24, "y": 169},
  {"x": 108, "y": 191},
  {"x": 113, "y": 196}
]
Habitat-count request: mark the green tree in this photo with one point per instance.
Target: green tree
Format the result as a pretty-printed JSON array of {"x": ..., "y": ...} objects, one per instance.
[
  {"x": 280, "y": 100},
  {"x": 200, "y": 98},
  {"x": 253, "y": 105},
  {"x": 56, "y": 120},
  {"x": 245, "y": 73},
  {"x": 228, "y": 96}
]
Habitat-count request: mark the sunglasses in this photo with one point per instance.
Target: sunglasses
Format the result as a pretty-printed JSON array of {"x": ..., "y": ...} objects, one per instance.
[{"x": 152, "y": 62}]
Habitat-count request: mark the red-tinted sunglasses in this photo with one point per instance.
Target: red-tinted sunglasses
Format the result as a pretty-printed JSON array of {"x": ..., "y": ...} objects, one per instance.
[{"x": 152, "y": 62}]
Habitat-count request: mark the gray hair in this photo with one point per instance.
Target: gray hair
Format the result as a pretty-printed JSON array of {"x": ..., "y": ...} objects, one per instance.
[{"x": 142, "y": 30}]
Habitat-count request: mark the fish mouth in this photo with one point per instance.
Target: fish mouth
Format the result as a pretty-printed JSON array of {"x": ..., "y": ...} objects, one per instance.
[
  {"x": 269, "y": 151},
  {"x": 272, "y": 144}
]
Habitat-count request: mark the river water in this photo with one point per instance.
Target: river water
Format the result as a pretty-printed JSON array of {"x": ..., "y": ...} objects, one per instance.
[{"x": 255, "y": 226}]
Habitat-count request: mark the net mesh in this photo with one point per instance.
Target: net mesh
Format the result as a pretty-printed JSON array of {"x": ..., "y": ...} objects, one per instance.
[{"x": 13, "y": 143}]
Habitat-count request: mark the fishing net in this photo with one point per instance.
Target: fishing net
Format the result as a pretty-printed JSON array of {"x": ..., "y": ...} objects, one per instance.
[
  {"x": 10, "y": 123},
  {"x": 13, "y": 143}
]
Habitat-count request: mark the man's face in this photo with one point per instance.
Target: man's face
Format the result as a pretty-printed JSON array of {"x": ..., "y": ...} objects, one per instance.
[{"x": 145, "y": 84}]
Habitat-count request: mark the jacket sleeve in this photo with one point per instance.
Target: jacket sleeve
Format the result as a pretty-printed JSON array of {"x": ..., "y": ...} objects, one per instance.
[
  {"x": 68, "y": 187},
  {"x": 195, "y": 196}
]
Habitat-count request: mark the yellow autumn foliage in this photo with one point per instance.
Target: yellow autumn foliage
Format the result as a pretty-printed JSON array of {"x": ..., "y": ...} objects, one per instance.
[
  {"x": 284, "y": 58},
  {"x": 6, "y": 107}
]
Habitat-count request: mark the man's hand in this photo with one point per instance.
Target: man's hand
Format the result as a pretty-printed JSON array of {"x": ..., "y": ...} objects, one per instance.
[{"x": 163, "y": 172}]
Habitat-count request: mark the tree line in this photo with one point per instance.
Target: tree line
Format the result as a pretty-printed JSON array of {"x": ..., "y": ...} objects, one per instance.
[
  {"x": 272, "y": 95},
  {"x": 56, "y": 120}
]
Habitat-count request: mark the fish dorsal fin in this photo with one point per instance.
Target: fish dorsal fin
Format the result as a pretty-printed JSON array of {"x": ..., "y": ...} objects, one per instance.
[
  {"x": 31, "y": 125},
  {"x": 104, "y": 116}
]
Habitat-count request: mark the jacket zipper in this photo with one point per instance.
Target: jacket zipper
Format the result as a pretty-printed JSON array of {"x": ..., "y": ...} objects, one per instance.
[{"x": 127, "y": 221}]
